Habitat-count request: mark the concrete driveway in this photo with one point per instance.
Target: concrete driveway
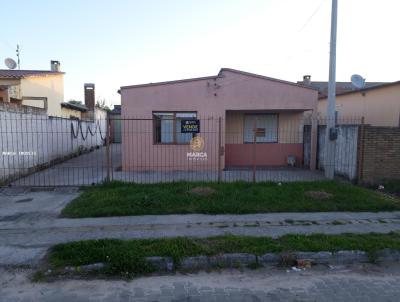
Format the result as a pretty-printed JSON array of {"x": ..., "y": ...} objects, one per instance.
[
  {"x": 21, "y": 205},
  {"x": 86, "y": 169}
]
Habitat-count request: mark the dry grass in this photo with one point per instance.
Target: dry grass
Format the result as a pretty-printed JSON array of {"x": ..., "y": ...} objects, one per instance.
[
  {"x": 319, "y": 195},
  {"x": 202, "y": 191}
]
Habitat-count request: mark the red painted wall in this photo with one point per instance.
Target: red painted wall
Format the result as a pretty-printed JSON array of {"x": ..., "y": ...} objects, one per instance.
[{"x": 266, "y": 154}]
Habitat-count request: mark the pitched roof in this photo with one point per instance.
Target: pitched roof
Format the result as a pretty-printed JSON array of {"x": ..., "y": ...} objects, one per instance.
[
  {"x": 79, "y": 107},
  {"x": 218, "y": 75},
  {"x": 116, "y": 110},
  {"x": 341, "y": 87},
  {"x": 19, "y": 74},
  {"x": 366, "y": 88},
  {"x": 169, "y": 82},
  {"x": 268, "y": 78}
]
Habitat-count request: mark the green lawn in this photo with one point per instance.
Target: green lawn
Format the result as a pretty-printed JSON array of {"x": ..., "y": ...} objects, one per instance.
[
  {"x": 126, "y": 257},
  {"x": 120, "y": 199}
]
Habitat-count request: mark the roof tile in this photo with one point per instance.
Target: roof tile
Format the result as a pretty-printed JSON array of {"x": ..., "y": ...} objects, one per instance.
[{"x": 18, "y": 74}]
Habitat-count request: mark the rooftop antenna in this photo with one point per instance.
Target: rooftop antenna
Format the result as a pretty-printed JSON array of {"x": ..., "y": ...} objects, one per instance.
[
  {"x": 18, "y": 52},
  {"x": 357, "y": 81},
  {"x": 10, "y": 63}
]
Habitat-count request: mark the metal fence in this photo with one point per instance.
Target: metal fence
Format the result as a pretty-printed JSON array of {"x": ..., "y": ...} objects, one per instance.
[
  {"x": 37, "y": 150},
  {"x": 167, "y": 147},
  {"x": 346, "y": 156}
]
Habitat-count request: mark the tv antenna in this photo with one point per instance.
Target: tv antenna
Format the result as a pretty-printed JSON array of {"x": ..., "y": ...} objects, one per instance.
[
  {"x": 18, "y": 52},
  {"x": 357, "y": 81},
  {"x": 10, "y": 63}
]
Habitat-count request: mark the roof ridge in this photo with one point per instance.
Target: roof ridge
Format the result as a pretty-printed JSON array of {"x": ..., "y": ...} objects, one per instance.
[
  {"x": 385, "y": 84},
  {"x": 169, "y": 82},
  {"x": 216, "y": 76},
  {"x": 267, "y": 78}
]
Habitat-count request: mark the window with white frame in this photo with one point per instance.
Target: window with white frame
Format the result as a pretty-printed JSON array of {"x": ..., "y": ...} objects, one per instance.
[
  {"x": 265, "y": 126},
  {"x": 167, "y": 127}
]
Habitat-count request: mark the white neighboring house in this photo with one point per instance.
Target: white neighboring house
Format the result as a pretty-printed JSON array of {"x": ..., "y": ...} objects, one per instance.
[{"x": 44, "y": 90}]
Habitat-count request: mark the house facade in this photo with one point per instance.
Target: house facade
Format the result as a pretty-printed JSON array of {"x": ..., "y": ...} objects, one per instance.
[
  {"x": 377, "y": 102},
  {"x": 43, "y": 90},
  {"x": 34, "y": 88},
  {"x": 244, "y": 119},
  {"x": 379, "y": 105}
]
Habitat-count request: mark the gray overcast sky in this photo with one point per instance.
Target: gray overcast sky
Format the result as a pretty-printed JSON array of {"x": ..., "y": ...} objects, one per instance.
[{"x": 122, "y": 42}]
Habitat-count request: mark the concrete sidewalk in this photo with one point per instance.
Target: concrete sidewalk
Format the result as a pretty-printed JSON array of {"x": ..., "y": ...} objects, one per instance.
[
  {"x": 48, "y": 231},
  {"x": 29, "y": 224},
  {"x": 273, "y": 224},
  {"x": 25, "y": 241}
]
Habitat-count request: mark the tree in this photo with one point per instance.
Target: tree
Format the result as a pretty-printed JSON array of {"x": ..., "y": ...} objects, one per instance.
[
  {"x": 75, "y": 102},
  {"x": 101, "y": 103}
]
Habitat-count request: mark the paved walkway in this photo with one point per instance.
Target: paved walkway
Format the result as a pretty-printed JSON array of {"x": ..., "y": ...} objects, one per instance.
[
  {"x": 353, "y": 283},
  {"x": 48, "y": 231}
]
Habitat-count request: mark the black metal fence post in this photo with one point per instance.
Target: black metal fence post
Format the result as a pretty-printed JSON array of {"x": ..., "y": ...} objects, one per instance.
[
  {"x": 360, "y": 155},
  {"x": 108, "y": 153},
  {"x": 254, "y": 150},
  {"x": 220, "y": 153}
]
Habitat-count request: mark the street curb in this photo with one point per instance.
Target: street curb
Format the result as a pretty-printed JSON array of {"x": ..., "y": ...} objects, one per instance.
[{"x": 241, "y": 260}]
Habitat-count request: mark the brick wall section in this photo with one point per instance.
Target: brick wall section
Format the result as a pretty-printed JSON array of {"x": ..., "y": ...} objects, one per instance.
[
  {"x": 380, "y": 158},
  {"x": 16, "y": 108}
]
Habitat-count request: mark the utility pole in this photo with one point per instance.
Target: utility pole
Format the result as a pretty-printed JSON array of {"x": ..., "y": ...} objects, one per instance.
[
  {"x": 331, "y": 131},
  {"x": 18, "y": 53}
]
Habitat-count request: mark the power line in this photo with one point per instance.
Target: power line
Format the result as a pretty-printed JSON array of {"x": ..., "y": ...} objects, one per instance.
[
  {"x": 6, "y": 43},
  {"x": 312, "y": 15}
]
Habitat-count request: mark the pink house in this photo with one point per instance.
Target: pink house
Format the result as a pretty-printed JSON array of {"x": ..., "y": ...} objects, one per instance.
[{"x": 244, "y": 119}]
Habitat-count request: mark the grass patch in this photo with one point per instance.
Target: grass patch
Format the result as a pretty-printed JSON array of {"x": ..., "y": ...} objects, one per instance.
[
  {"x": 337, "y": 222},
  {"x": 393, "y": 187},
  {"x": 126, "y": 257},
  {"x": 121, "y": 199}
]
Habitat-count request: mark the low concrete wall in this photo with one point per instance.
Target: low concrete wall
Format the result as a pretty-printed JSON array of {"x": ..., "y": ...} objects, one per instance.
[
  {"x": 16, "y": 108},
  {"x": 301, "y": 260},
  {"x": 30, "y": 141}
]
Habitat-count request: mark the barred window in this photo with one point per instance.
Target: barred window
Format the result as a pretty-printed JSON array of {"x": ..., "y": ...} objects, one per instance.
[
  {"x": 167, "y": 127},
  {"x": 266, "y": 128}
]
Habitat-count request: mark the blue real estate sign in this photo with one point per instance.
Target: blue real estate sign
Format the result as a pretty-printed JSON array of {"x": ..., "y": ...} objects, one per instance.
[{"x": 190, "y": 126}]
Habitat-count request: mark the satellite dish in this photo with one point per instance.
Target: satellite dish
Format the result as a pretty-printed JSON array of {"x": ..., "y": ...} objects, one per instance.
[
  {"x": 10, "y": 63},
  {"x": 357, "y": 81}
]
